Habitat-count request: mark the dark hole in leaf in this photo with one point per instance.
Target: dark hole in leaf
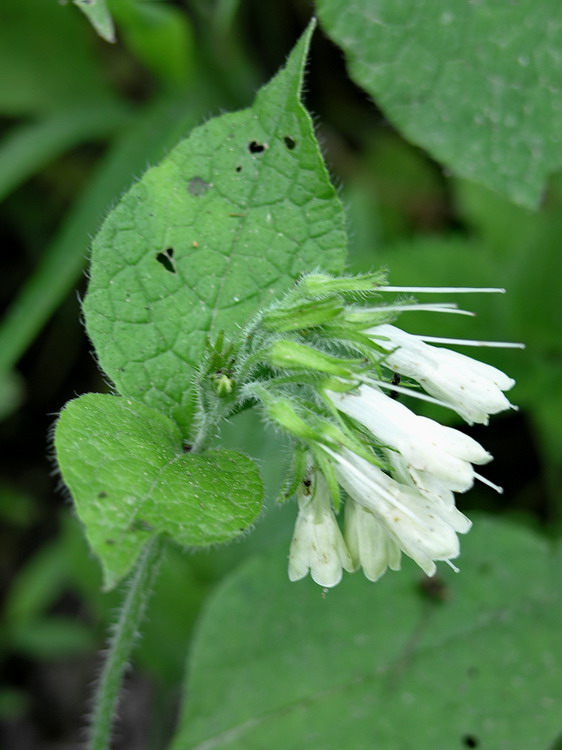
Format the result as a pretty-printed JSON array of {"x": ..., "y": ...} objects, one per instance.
[
  {"x": 239, "y": 169},
  {"x": 167, "y": 259},
  {"x": 255, "y": 148},
  {"x": 289, "y": 142},
  {"x": 187, "y": 448},
  {"x": 197, "y": 186},
  {"x": 469, "y": 740}
]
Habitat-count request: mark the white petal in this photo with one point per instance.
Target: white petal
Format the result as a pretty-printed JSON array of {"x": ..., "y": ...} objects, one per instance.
[
  {"x": 472, "y": 388},
  {"x": 413, "y": 521},
  {"x": 424, "y": 444},
  {"x": 317, "y": 546},
  {"x": 370, "y": 546}
]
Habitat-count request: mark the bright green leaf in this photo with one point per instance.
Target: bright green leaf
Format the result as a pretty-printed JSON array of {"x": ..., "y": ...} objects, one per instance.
[
  {"x": 223, "y": 226},
  {"x": 98, "y": 15},
  {"x": 476, "y": 84},
  {"x": 130, "y": 478},
  {"x": 408, "y": 662}
]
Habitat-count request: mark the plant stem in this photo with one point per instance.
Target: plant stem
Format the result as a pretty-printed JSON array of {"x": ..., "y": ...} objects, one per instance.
[{"x": 122, "y": 644}]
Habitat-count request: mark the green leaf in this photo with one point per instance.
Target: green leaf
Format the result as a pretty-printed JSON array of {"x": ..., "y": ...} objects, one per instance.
[
  {"x": 152, "y": 131},
  {"x": 406, "y": 662},
  {"x": 475, "y": 84},
  {"x": 130, "y": 478},
  {"x": 98, "y": 15},
  {"x": 46, "y": 59},
  {"x": 160, "y": 35},
  {"x": 224, "y": 225}
]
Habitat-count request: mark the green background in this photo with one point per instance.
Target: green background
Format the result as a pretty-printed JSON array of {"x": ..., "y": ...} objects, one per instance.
[{"x": 81, "y": 120}]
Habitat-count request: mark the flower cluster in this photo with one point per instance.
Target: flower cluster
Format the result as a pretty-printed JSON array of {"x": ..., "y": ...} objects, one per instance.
[{"x": 328, "y": 366}]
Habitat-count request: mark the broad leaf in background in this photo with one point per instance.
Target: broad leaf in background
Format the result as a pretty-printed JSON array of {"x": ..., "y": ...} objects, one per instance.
[
  {"x": 130, "y": 478},
  {"x": 467, "y": 660},
  {"x": 476, "y": 84},
  {"x": 47, "y": 59},
  {"x": 222, "y": 226},
  {"x": 98, "y": 15}
]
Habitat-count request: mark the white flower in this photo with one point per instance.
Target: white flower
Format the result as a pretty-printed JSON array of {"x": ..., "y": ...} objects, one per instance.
[
  {"x": 433, "y": 488},
  {"x": 424, "y": 444},
  {"x": 317, "y": 545},
  {"x": 368, "y": 542},
  {"x": 423, "y": 528},
  {"x": 473, "y": 389}
]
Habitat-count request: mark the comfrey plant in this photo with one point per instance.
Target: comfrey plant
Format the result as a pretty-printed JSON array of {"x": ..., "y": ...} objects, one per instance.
[
  {"x": 203, "y": 301},
  {"x": 324, "y": 364}
]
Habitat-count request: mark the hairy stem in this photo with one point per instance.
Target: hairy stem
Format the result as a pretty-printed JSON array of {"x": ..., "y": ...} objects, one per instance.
[{"x": 122, "y": 644}]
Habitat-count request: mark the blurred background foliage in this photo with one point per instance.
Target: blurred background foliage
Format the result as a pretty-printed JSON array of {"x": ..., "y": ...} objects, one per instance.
[{"x": 80, "y": 119}]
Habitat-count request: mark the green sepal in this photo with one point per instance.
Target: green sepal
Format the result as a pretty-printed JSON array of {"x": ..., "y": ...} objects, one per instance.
[
  {"x": 282, "y": 412},
  {"x": 296, "y": 473},
  {"x": 292, "y": 355},
  {"x": 304, "y": 315},
  {"x": 318, "y": 284},
  {"x": 369, "y": 318}
]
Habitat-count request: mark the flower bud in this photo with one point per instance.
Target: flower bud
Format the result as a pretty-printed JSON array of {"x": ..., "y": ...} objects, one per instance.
[
  {"x": 305, "y": 315},
  {"x": 294, "y": 356}
]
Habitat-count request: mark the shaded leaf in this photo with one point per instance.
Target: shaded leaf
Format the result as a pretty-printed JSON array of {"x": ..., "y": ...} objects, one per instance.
[
  {"x": 409, "y": 662},
  {"x": 476, "y": 84}
]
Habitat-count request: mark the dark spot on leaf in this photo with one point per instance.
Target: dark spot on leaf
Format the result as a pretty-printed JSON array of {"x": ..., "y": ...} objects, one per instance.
[
  {"x": 167, "y": 260},
  {"x": 289, "y": 142},
  {"x": 255, "y": 148},
  {"x": 238, "y": 168},
  {"x": 140, "y": 525},
  {"x": 187, "y": 447},
  {"x": 102, "y": 495},
  {"x": 472, "y": 672},
  {"x": 198, "y": 186},
  {"x": 469, "y": 740},
  {"x": 110, "y": 541}
]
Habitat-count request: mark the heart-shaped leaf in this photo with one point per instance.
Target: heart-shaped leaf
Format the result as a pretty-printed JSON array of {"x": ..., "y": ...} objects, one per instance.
[{"x": 130, "y": 478}]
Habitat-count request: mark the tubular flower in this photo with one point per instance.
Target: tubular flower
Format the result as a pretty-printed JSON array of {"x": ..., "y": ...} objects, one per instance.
[
  {"x": 317, "y": 545},
  {"x": 423, "y": 529},
  {"x": 368, "y": 542},
  {"x": 320, "y": 358},
  {"x": 472, "y": 388},
  {"x": 424, "y": 444}
]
